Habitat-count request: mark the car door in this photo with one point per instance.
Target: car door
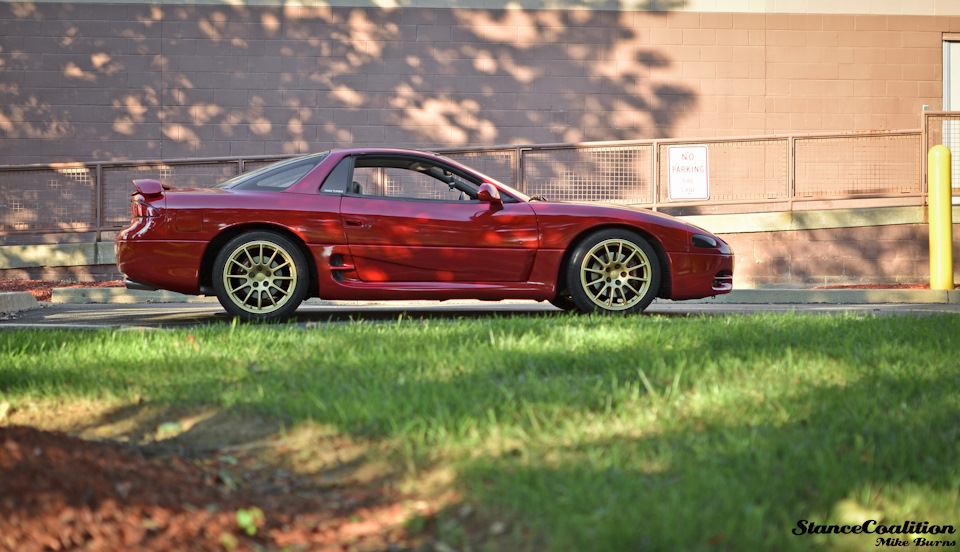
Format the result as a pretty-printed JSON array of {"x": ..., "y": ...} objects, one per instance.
[{"x": 413, "y": 219}]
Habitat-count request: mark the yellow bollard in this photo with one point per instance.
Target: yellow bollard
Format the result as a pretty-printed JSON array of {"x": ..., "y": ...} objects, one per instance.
[{"x": 940, "y": 216}]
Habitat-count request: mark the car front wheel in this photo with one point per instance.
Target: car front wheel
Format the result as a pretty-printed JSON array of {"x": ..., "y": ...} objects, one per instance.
[
  {"x": 614, "y": 272},
  {"x": 563, "y": 302},
  {"x": 260, "y": 276}
]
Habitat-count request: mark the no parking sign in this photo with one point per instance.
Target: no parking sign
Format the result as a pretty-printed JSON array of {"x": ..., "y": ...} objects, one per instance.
[{"x": 689, "y": 173}]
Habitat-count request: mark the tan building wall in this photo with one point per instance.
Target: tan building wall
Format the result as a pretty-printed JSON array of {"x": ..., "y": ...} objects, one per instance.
[{"x": 143, "y": 81}]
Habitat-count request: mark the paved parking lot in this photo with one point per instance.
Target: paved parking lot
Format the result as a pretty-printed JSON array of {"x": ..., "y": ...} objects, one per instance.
[{"x": 147, "y": 315}]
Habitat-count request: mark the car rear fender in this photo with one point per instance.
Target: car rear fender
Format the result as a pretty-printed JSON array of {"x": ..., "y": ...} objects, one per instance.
[{"x": 217, "y": 243}]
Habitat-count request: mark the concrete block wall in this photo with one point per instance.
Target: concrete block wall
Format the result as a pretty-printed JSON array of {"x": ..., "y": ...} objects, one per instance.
[{"x": 99, "y": 81}]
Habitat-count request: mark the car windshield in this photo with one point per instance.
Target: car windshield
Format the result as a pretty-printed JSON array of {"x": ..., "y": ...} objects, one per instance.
[
  {"x": 275, "y": 176},
  {"x": 503, "y": 187}
]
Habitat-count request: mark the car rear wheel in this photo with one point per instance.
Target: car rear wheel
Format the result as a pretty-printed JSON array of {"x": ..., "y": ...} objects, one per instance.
[
  {"x": 260, "y": 276},
  {"x": 613, "y": 272}
]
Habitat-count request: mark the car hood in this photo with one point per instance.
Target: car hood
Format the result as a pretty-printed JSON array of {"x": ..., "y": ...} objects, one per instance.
[{"x": 608, "y": 210}]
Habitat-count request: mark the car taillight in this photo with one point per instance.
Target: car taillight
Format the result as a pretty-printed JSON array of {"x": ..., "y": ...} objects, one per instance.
[{"x": 141, "y": 209}]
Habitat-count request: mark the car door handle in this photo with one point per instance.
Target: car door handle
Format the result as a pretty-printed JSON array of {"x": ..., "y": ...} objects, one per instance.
[{"x": 356, "y": 223}]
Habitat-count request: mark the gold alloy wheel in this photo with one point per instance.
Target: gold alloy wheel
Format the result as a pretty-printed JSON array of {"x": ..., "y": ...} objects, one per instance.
[
  {"x": 260, "y": 276},
  {"x": 615, "y": 274}
]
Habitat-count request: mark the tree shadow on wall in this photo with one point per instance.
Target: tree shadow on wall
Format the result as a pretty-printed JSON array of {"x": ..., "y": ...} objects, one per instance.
[{"x": 199, "y": 81}]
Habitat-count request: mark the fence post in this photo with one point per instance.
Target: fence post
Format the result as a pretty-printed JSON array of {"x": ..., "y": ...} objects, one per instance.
[
  {"x": 656, "y": 176},
  {"x": 99, "y": 195},
  {"x": 791, "y": 171},
  {"x": 940, "y": 218},
  {"x": 519, "y": 175}
]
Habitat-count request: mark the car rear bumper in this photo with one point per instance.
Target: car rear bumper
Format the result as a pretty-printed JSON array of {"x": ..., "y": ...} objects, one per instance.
[{"x": 169, "y": 265}]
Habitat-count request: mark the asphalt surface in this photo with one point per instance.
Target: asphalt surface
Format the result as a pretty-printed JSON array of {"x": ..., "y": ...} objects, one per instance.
[{"x": 171, "y": 315}]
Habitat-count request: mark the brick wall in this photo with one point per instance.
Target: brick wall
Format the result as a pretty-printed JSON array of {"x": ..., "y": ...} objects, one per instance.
[{"x": 136, "y": 81}]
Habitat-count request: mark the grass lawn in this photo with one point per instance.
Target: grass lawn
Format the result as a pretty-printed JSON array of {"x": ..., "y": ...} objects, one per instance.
[{"x": 586, "y": 433}]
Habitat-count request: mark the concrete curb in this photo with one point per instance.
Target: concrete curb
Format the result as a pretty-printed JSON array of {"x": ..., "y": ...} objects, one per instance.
[
  {"x": 13, "y": 302},
  {"x": 746, "y": 297},
  {"x": 122, "y": 296},
  {"x": 835, "y": 296}
]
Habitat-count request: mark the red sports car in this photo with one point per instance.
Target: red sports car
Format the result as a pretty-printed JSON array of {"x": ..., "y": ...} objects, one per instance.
[{"x": 397, "y": 224}]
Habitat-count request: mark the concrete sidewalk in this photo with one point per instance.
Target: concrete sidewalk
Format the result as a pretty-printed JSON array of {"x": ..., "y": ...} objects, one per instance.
[
  {"x": 156, "y": 310},
  {"x": 14, "y": 302}
]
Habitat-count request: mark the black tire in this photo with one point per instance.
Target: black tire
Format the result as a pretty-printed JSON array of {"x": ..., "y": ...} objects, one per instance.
[
  {"x": 260, "y": 276},
  {"x": 613, "y": 272},
  {"x": 564, "y": 302}
]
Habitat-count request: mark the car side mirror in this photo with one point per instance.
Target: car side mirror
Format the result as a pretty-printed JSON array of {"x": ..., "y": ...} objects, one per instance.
[{"x": 489, "y": 193}]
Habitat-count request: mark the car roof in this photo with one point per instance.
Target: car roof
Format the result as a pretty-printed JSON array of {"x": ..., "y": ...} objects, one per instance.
[{"x": 397, "y": 151}]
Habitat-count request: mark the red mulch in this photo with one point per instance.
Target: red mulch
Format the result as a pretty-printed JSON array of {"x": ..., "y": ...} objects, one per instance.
[
  {"x": 58, "y": 492},
  {"x": 43, "y": 289}
]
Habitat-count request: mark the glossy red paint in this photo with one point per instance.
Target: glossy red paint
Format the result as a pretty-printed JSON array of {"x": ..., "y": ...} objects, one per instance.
[
  {"x": 170, "y": 265},
  {"x": 148, "y": 188},
  {"x": 488, "y": 193},
  {"x": 687, "y": 275},
  {"x": 394, "y": 240},
  {"x": 491, "y": 242}
]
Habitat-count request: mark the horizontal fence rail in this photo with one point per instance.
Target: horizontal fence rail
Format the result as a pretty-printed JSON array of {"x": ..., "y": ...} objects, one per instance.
[{"x": 756, "y": 174}]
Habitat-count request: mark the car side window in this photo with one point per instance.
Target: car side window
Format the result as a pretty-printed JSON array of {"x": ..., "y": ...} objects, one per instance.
[
  {"x": 337, "y": 181},
  {"x": 399, "y": 177},
  {"x": 402, "y": 183}
]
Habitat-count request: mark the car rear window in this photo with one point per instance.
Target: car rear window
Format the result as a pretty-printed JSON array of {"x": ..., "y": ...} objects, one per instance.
[{"x": 274, "y": 177}]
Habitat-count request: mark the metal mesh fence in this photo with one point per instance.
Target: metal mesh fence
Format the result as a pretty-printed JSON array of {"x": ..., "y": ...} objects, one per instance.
[
  {"x": 857, "y": 165},
  {"x": 610, "y": 174},
  {"x": 117, "y": 183},
  {"x": 258, "y": 163},
  {"x": 498, "y": 164},
  {"x": 51, "y": 198},
  {"x": 743, "y": 173},
  {"x": 945, "y": 130},
  {"x": 746, "y": 170}
]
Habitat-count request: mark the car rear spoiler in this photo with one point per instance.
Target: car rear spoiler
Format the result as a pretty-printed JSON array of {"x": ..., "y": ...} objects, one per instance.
[{"x": 150, "y": 188}]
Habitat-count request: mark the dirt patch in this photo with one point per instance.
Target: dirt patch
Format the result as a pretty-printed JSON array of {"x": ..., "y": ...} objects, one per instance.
[
  {"x": 89, "y": 476},
  {"x": 43, "y": 289},
  {"x": 197, "y": 480}
]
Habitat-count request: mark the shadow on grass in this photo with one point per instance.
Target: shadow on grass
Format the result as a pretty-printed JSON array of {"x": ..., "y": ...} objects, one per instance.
[
  {"x": 885, "y": 446},
  {"x": 587, "y": 430}
]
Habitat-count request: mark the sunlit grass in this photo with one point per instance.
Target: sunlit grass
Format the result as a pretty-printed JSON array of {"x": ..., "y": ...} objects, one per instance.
[{"x": 591, "y": 433}]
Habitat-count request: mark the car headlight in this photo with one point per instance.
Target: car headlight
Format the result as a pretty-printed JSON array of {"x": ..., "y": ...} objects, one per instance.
[{"x": 704, "y": 242}]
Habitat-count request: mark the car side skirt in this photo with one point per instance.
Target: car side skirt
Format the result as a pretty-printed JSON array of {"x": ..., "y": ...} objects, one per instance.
[{"x": 338, "y": 280}]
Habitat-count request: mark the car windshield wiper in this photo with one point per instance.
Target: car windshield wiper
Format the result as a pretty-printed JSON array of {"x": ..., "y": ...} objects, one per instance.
[{"x": 537, "y": 198}]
